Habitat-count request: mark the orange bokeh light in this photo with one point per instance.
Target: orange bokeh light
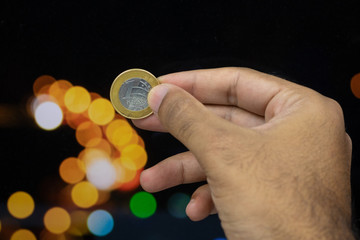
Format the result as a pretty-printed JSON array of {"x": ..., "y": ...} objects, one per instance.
[
  {"x": 94, "y": 96},
  {"x": 88, "y": 134},
  {"x": 141, "y": 142},
  {"x": 355, "y": 85},
  {"x": 77, "y": 99},
  {"x": 101, "y": 111},
  {"x": 72, "y": 170},
  {"x": 58, "y": 90},
  {"x": 84, "y": 194},
  {"x": 133, "y": 184},
  {"x": 75, "y": 119},
  {"x": 57, "y": 220},
  {"x": 41, "y": 82},
  {"x": 105, "y": 146}
]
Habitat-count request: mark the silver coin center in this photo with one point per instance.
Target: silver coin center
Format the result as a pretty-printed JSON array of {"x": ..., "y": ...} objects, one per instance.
[{"x": 133, "y": 94}]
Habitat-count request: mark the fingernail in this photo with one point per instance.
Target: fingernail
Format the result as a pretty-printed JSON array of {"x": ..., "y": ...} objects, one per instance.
[{"x": 156, "y": 96}]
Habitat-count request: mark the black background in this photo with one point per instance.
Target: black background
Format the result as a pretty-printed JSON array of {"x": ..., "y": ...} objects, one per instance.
[{"x": 313, "y": 43}]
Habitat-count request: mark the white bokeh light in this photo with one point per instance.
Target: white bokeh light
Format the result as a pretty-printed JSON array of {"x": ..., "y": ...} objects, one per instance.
[
  {"x": 48, "y": 115},
  {"x": 101, "y": 173}
]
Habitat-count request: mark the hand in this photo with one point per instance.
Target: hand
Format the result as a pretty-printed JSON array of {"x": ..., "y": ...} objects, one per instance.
[{"x": 275, "y": 155}]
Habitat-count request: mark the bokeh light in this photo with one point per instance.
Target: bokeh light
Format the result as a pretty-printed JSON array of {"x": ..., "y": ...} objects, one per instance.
[
  {"x": 141, "y": 142},
  {"x": 113, "y": 158},
  {"x": 20, "y": 205},
  {"x": 94, "y": 95},
  {"x": 23, "y": 234},
  {"x": 58, "y": 90},
  {"x": 355, "y": 85},
  {"x": 104, "y": 196},
  {"x": 101, "y": 111},
  {"x": 101, "y": 173},
  {"x": 84, "y": 194},
  {"x": 77, "y": 99},
  {"x": 46, "y": 235},
  {"x": 88, "y": 134},
  {"x": 136, "y": 153},
  {"x": 143, "y": 204},
  {"x": 78, "y": 223},
  {"x": 41, "y": 82},
  {"x": 177, "y": 204},
  {"x": 71, "y": 170},
  {"x": 88, "y": 155},
  {"x": 133, "y": 184},
  {"x": 100, "y": 223},
  {"x": 73, "y": 120},
  {"x": 48, "y": 115},
  {"x": 57, "y": 220},
  {"x": 105, "y": 146},
  {"x": 119, "y": 133},
  {"x": 123, "y": 173}
]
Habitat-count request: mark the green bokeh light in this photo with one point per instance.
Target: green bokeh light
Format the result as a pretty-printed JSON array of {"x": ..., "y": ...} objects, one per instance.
[{"x": 143, "y": 204}]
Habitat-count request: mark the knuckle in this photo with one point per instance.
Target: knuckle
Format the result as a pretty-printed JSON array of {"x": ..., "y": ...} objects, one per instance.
[
  {"x": 326, "y": 108},
  {"x": 334, "y": 111}
]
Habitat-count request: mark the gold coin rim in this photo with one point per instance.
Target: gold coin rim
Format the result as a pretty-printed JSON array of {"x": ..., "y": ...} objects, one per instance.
[{"x": 115, "y": 88}]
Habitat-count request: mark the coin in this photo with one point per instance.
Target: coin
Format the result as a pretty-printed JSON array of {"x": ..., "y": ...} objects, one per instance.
[{"x": 129, "y": 92}]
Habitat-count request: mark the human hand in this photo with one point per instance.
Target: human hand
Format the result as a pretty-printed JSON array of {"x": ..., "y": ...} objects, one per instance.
[{"x": 275, "y": 155}]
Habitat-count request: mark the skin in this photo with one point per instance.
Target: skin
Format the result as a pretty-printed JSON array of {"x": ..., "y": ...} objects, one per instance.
[{"x": 275, "y": 154}]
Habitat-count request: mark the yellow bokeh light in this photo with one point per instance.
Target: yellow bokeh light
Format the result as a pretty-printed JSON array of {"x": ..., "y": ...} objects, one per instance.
[
  {"x": 57, "y": 220},
  {"x": 134, "y": 153},
  {"x": 84, "y": 194},
  {"x": 101, "y": 111},
  {"x": 48, "y": 115},
  {"x": 23, "y": 234},
  {"x": 41, "y": 82},
  {"x": 355, "y": 85},
  {"x": 72, "y": 170},
  {"x": 119, "y": 132},
  {"x": 88, "y": 134},
  {"x": 58, "y": 90},
  {"x": 77, "y": 99},
  {"x": 20, "y": 205}
]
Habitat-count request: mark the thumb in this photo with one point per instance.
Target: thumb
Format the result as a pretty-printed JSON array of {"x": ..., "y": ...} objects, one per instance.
[{"x": 190, "y": 121}]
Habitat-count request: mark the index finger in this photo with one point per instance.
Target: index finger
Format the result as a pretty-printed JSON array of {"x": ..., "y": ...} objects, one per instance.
[{"x": 246, "y": 88}]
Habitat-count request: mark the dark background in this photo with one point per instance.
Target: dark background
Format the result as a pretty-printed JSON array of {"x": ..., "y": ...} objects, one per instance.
[{"x": 313, "y": 43}]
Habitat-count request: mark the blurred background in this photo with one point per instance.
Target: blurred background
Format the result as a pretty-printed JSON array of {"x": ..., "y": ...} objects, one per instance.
[{"x": 58, "y": 60}]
